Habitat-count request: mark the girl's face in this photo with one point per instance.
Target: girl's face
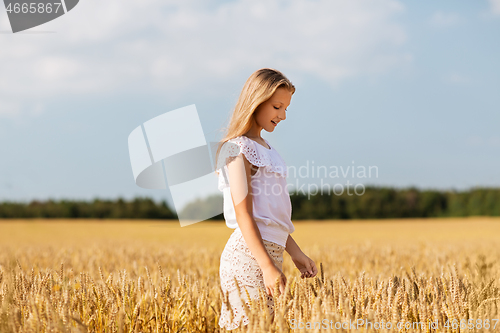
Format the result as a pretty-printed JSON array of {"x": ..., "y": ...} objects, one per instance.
[{"x": 272, "y": 111}]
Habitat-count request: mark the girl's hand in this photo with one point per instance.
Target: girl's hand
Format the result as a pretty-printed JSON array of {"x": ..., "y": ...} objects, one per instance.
[
  {"x": 270, "y": 275},
  {"x": 306, "y": 266}
]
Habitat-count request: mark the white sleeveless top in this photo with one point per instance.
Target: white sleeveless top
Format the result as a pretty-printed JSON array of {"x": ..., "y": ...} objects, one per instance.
[{"x": 272, "y": 208}]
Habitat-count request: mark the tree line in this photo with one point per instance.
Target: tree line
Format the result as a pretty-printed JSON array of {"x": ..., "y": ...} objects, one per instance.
[{"x": 374, "y": 203}]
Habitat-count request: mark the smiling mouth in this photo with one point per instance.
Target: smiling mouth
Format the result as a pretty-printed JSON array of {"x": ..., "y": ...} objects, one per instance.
[{"x": 274, "y": 122}]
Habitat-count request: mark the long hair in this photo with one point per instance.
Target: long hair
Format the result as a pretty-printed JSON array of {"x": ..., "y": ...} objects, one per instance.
[{"x": 258, "y": 88}]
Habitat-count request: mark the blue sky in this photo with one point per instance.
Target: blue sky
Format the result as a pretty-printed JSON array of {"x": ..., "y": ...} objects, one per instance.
[{"x": 409, "y": 87}]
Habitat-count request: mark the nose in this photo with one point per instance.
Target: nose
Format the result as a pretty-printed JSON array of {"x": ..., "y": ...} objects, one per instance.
[{"x": 282, "y": 115}]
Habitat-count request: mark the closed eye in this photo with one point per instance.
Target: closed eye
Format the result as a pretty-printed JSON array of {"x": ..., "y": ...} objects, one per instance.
[{"x": 276, "y": 108}]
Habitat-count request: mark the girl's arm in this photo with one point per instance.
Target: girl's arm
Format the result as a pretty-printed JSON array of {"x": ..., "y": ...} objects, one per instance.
[
  {"x": 292, "y": 247},
  {"x": 304, "y": 264},
  {"x": 241, "y": 193}
]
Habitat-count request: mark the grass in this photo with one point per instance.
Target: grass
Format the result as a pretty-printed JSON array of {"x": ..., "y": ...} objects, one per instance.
[{"x": 150, "y": 276}]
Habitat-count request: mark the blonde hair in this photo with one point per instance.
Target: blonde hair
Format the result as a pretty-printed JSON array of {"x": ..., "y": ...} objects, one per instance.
[{"x": 258, "y": 88}]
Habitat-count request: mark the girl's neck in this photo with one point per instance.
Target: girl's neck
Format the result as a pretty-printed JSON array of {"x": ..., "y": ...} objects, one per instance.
[
  {"x": 253, "y": 135},
  {"x": 254, "y": 131}
]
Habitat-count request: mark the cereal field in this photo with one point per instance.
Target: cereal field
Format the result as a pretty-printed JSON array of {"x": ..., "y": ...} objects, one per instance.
[{"x": 127, "y": 276}]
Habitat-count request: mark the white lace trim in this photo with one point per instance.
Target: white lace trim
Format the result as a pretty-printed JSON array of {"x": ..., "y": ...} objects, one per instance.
[{"x": 258, "y": 156}]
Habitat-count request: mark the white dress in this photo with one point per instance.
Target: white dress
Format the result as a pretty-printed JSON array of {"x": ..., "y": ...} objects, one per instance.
[
  {"x": 272, "y": 208},
  {"x": 237, "y": 261},
  {"x": 272, "y": 214}
]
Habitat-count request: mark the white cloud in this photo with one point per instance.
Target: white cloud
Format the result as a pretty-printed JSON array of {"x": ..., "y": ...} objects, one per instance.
[
  {"x": 440, "y": 19},
  {"x": 9, "y": 109},
  {"x": 113, "y": 46},
  {"x": 13, "y": 109},
  {"x": 495, "y": 6},
  {"x": 456, "y": 78}
]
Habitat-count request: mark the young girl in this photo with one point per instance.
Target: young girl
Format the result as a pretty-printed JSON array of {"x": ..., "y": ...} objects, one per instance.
[{"x": 252, "y": 176}]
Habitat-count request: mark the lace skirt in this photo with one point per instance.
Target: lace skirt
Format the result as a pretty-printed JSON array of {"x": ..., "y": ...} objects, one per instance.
[{"x": 237, "y": 261}]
